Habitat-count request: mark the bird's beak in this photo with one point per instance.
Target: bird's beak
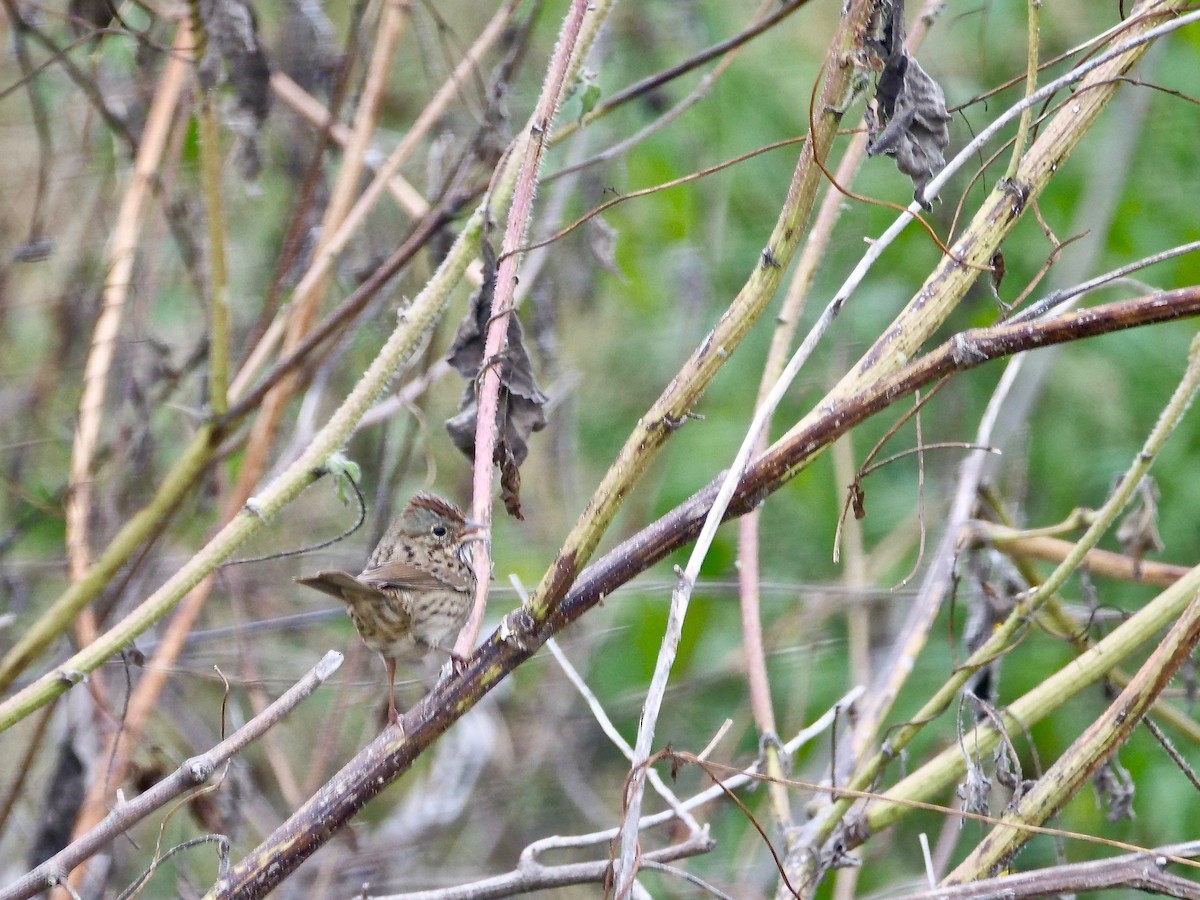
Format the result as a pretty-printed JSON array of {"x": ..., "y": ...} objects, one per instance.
[{"x": 475, "y": 531}]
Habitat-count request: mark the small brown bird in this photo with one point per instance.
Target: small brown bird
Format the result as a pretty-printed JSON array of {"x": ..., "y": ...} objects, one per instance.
[{"x": 416, "y": 591}]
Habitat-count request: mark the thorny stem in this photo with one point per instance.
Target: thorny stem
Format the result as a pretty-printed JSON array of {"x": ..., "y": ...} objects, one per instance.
[{"x": 531, "y": 148}]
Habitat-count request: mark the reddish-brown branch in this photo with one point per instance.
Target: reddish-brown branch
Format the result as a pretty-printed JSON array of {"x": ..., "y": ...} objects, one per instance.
[{"x": 520, "y": 636}]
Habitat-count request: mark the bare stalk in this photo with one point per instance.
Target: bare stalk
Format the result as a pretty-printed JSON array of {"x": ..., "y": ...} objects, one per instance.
[
  {"x": 121, "y": 256},
  {"x": 193, "y": 773},
  {"x": 502, "y": 302}
]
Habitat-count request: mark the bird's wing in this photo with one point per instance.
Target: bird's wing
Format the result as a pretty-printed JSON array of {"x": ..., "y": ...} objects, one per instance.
[
  {"x": 403, "y": 577},
  {"x": 341, "y": 585}
]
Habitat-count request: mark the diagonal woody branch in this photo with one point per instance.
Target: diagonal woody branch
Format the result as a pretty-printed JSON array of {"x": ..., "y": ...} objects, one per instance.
[
  {"x": 519, "y": 636},
  {"x": 1101, "y": 740}
]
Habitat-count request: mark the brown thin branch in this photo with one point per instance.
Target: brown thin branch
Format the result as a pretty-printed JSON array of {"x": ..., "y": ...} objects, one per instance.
[
  {"x": 1098, "y": 562},
  {"x": 193, "y": 772}
]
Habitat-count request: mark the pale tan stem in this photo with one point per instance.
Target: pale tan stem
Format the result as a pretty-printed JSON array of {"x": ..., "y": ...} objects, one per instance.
[
  {"x": 502, "y": 302},
  {"x": 121, "y": 255},
  {"x": 316, "y": 113},
  {"x": 322, "y": 263},
  {"x": 1033, "y": 18}
]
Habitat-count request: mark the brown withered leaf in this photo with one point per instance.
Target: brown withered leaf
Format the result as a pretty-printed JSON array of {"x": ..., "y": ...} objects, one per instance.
[
  {"x": 510, "y": 479},
  {"x": 233, "y": 54},
  {"x": 63, "y": 797},
  {"x": 522, "y": 403},
  {"x": 907, "y": 119}
]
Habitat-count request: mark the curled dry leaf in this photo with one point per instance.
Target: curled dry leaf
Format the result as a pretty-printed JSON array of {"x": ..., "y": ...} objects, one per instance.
[
  {"x": 993, "y": 584},
  {"x": 1138, "y": 531},
  {"x": 234, "y": 55},
  {"x": 602, "y": 241},
  {"x": 907, "y": 118},
  {"x": 1115, "y": 790},
  {"x": 522, "y": 404}
]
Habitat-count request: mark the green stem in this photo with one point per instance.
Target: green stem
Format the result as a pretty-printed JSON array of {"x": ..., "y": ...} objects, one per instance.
[
  {"x": 218, "y": 340},
  {"x": 55, "y": 620},
  {"x": 1052, "y": 694},
  {"x": 1031, "y": 70},
  {"x": 1098, "y": 660}
]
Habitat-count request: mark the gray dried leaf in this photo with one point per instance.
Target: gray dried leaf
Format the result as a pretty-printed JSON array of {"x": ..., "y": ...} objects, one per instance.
[
  {"x": 602, "y": 241},
  {"x": 63, "y": 798},
  {"x": 974, "y": 790},
  {"x": 1114, "y": 790},
  {"x": 993, "y": 585},
  {"x": 1007, "y": 767},
  {"x": 522, "y": 403},
  {"x": 907, "y": 118},
  {"x": 1138, "y": 531}
]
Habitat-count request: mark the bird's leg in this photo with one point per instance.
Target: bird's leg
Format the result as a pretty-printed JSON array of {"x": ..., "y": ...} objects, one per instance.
[
  {"x": 458, "y": 662},
  {"x": 393, "y": 716}
]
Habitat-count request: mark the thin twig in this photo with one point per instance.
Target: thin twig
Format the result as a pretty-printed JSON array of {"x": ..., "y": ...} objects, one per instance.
[
  {"x": 1134, "y": 871},
  {"x": 193, "y": 772},
  {"x": 531, "y": 873},
  {"x": 1033, "y": 19},
  {"x": 614, "y": 736},
  {"x": 1056, "y": 298},
  {"x": 1017, "y": 543}
]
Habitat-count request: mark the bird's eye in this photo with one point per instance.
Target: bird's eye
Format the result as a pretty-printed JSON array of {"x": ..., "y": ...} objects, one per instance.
[{"x": 438, "y": 530}]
